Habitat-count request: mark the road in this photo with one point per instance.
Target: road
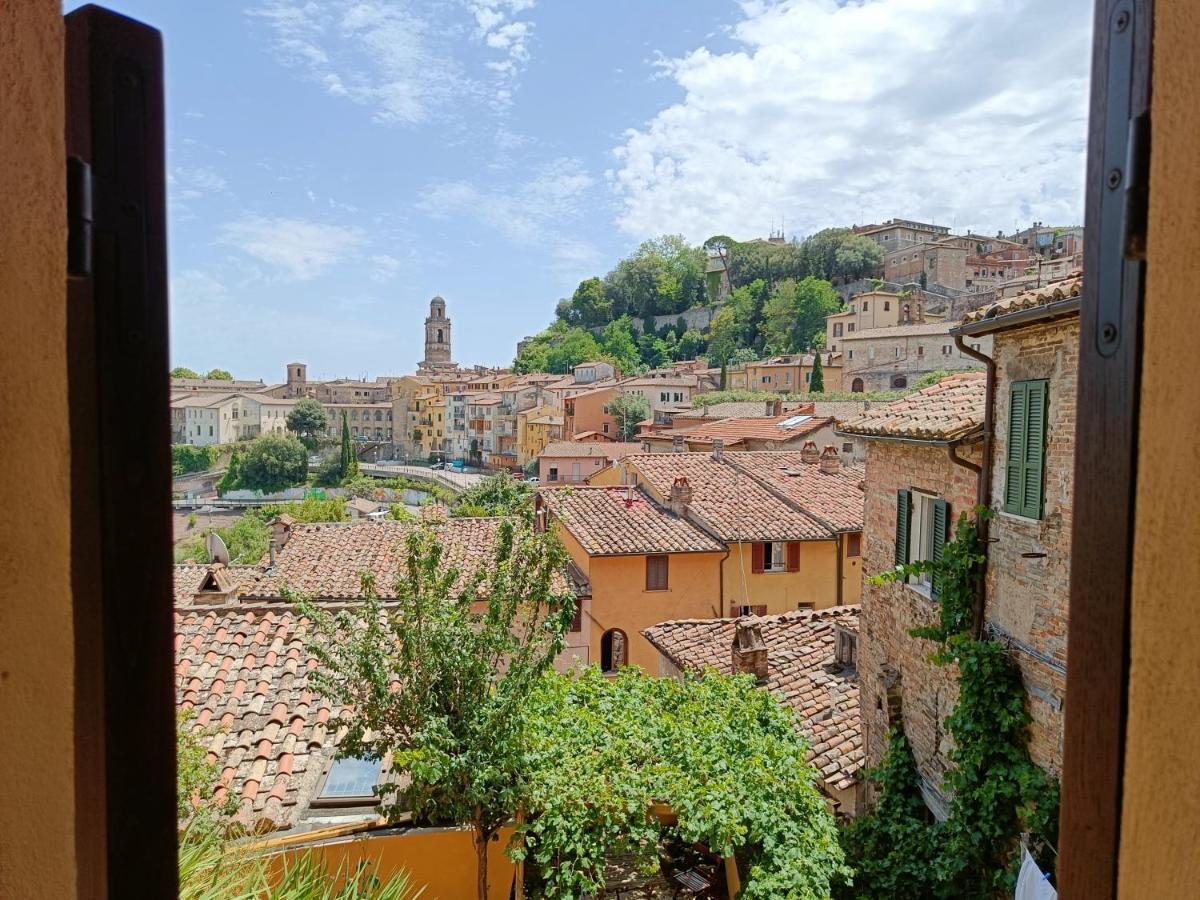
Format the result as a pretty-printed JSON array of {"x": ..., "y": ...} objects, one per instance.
[{"x": 457, "y": 480}]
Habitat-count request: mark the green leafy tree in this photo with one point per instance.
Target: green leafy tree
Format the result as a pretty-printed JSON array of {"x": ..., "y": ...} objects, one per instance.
[
  {"x": 815, "y": 299},
  {"x": 219, "y": 375},
  {"x": 816, "y": 382},
  {"x": 628, "y": 410},
  {"x": 310, "y": 509},
  {"x": 589, "y": 306},
  {"x": 496, "y": 495},
  {"x": 232, "y": 479},
  {"x": 467, "y": 650},
  {"x": 725, "y": 335},
  {"x": 273, "y": 462},
  {"x": 691, "y": 344},
  {"x": 618, "y": 345},
  {"x": 779, "y": 319},
  {"x": 183, "y": 372},
  {"x": 187, "y": 458},
  {"x": 308, "y": 421}
]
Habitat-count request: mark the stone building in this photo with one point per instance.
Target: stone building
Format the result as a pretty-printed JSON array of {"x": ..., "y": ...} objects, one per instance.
[
  {"x": 896, "y": 233},
  {"x": 923, "y": 471},
  {"x": 889, "y": 359},
  {"x": 437, "y": 339}
]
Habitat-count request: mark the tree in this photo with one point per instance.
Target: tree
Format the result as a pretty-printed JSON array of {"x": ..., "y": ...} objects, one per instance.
[
  {"x": 183, "y": 372},
  {"x": 779, "y": 319},
  {"x": 497, "y": 495},
  {"x": 232, "y": 479},
  {"x": 273, "y": 462},
  {"x": 724, "y": 334},
  {"x": 691, "y": 344},
  {"x": 816, "y": 382},
  {"x": 219, "y": 375},
  {"x": 466, "y": 651},
  {"x": 815, "y": 299},
  {"x": 618, "y": 345},
  {"x": 308, "y": 421},
  {"x": 628, "y": 410},
  {"x": 349, "y": 459},
  {"x": 724, "y": 375}
]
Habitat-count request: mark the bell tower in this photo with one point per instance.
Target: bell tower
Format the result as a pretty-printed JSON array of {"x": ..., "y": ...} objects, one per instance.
[{"x": 437, "y": 336}]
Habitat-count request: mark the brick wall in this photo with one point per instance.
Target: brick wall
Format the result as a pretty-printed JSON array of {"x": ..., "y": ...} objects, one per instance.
[
  {"x": 927, "y": 692},
  {"x": 1029, "y": 569}
]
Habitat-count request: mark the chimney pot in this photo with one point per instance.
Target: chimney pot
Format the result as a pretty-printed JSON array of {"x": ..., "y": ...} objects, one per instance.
[
  {"x": 677, "y": 444},
  {"x": 718, "y": 449},
  {"x": 681, "y": 496},
  {"x": 809, "y": 453},
  {"x": 750, "y": 650},
  {"x": 831, "y": 463}
]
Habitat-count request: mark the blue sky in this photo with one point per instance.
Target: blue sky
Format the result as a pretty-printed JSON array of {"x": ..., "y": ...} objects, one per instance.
[{"x": 335, "y": 163}]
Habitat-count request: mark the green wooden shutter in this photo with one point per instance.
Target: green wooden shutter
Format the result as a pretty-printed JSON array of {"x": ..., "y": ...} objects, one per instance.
[
  {"x": 941, "y": 521},
  {"x": 1018, "y": 407},
  {"x": 903, "y": 514},
  {"x": 1035, "y": 451}
]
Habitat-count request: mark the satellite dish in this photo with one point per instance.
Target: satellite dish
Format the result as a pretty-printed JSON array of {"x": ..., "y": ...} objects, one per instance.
[{"x": 217, "y": 551}]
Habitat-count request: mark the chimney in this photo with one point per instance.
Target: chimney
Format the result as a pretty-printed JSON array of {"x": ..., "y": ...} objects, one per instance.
[
  {"x": 281, "y": 532},
  {"x": 774, "y": 407},
  {"x": 831, "y": 463},
  {"x": 718, "y": 452},
  {"x": 539, "y": 512},
  {"x": 809, "y": 453},
  {"x": 750, "y": 650},
  {"x": 681, "y": 496},
  {"x": 677, "y": 444}
]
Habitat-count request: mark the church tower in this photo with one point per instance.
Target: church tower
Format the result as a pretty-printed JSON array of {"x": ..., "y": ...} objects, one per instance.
[{"x": 437, "y": 336}]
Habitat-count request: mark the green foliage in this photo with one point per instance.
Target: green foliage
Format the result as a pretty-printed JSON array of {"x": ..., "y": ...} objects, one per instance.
[
  {"x": 996, "y": 791},
  {"x": 465, "y": 676},
  {"x": 816, "y": 381},
  {"x": 219, "y": 375},
  {"x": 349, "y": 457},
  {"x": 891, "y": 849},
  {"x": 196, "y": 777},
  {"x": 308, "y": 421},
  {"x": 183, "y": 372},
  {"x": 232, "y": 479},
  {"x": 310, "y": 509},
  {"x": 186, "y": 458},
  {"x": 329, "y": 470},
  {"x": 496, "y": 495},
  {"x": 397, "y": 513},
  {"x": 273, "y": 462},
  {"x": 795, "y": 313},
  {"x": 701, "y": 400},
  {"x": 723, "y": 754},
  {"x": 930, "y": 379},
  {"x": 629, "y": 410},
  {"x": 191, "y": 522}
]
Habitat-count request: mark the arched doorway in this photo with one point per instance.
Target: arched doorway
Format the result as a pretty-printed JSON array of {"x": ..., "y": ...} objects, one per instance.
[
  {"x": 899, "y": 381},
  {"x": 614, "y": 650},
  {"x": 856, "y": 386}
]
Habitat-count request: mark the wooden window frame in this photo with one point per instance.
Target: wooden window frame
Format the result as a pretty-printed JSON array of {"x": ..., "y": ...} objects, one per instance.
[{"x": 665, "y": 559}]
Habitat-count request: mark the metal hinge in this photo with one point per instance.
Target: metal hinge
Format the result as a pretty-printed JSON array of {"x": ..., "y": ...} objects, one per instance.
[{"x": 79, "y": 217}]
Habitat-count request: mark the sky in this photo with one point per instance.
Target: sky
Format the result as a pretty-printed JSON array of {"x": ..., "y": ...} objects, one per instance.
[{"x": 334, "y": 164}]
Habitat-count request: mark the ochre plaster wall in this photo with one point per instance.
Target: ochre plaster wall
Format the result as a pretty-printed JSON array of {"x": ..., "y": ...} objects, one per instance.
[
  {"x": 37, "y": 827},
  {"x": 1161, "y": 813},
  {"x": 815, "y": 582}
]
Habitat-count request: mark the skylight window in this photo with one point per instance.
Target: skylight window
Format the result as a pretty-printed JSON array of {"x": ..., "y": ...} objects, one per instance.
[
  {"x": 793, "y": 421},
  {"x": 350, "y": 781}
]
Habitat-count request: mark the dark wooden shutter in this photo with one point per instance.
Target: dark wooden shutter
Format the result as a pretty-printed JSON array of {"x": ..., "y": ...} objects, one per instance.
[
  {"x": 757, "y": 558},
  {"x": 941, "y": 521},
  {"x": 1035, "y": 450},
  {"x": 903, "y": 513},
  {"x": 656, "y": 573},
  {"x": 793, "y": 556}
]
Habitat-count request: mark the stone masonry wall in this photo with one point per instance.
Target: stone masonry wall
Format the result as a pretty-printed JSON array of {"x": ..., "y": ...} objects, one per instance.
[
  {"x": 927, "y": 692},
  {"x": 1029, "y": 570}
]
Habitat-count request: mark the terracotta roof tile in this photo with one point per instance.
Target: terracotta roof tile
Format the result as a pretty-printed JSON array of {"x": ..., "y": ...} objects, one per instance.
[
  {"x": 835, "y": 499},
  {"x": 735, "y": 430},
  {"x": 733, "y": 503},
  {"x": 801, "y": 672},
  {"x": 1063, "y": 289},
  {"x": 615, "y": 521},
  {"x": 950, "y": 410},
  {"x": 610, "y": 449}
]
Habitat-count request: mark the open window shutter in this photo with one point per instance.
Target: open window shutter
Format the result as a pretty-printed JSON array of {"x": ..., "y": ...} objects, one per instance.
[
  {"x": 903, "y": 513},
  {"x": 941, "y": 520},
  {"x": 1035, "y": 447},
  {"x": 793, "y": 556},
  {"x": 756, "y": 558},
  {"x": 1018, "y": 409}
]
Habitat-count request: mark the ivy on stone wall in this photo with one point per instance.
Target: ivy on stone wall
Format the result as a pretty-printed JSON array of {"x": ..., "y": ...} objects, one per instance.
[{"x": 996, "y": 792}]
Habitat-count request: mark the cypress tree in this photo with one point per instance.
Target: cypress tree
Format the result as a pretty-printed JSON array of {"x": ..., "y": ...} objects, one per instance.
[
  {"x": 724, "y": 375},
  {"x": 349, "y": 461},
  {"x": 816, "y": 384}
]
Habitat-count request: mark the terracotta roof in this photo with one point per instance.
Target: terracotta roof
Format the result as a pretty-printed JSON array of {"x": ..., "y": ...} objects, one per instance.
[
  {"x": 752, "y": 428},
  {"x": 950, "y": 410},
  {"x": 733, "y": 409},
  {"x": 668, "y": 381},
  {"x": 834, "y": 499},
  {"x": 897, "y": 331},
  {"x": 617, "y": 521},
  {"x": 362, "y": 505},
  {"x": 610, "y": 450},
  {"x": 1064, "y": 289},
  {"x": 547, "y": 420},
  {"x": 243, "y": 675},
  {"x": 732, "y": 503},
  {"x": 801, "y": 672}
]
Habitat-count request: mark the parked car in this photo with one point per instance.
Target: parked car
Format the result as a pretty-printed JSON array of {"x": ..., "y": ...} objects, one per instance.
[
  {"x": 438, "y": 465},
  {"x": 533, "y": 479}
]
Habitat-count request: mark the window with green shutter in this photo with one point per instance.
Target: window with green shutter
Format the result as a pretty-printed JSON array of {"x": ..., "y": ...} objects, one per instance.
[
  {"x": 941, "y": 522},
  {"x": 903, "y": 514},
  {"x": 1026, "y": 451}
]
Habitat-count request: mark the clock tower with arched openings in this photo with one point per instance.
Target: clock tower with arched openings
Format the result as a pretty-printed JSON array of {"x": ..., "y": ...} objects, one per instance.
[{"x": 437, "y": 337}]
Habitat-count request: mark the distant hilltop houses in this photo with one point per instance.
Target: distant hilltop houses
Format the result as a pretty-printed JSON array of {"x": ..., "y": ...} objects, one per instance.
[{"x": 891, "y": 332}]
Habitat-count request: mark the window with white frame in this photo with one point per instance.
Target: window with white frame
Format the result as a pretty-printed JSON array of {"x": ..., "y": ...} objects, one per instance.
[
  {"x": 921, "y": 531},
  {"x": 775, "y": 556}
]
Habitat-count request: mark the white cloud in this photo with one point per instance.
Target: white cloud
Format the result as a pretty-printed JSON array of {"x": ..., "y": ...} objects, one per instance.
[
  {"x": 528, "y": 212},
  {"x": 964, "y": 111},
  {"x": 191, "y": 183},
  {"x": 384, "y": 55},
  {"x": 497, "y": 26},
  {"x": 298, "y": 249}
]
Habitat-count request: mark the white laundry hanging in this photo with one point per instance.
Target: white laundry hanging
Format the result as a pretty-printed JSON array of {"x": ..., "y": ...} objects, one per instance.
[{"x": 1032, "y": 883}]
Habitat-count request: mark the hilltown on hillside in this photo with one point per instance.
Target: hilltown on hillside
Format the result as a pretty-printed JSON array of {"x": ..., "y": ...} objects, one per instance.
[{"x": 746, "y": 535}]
